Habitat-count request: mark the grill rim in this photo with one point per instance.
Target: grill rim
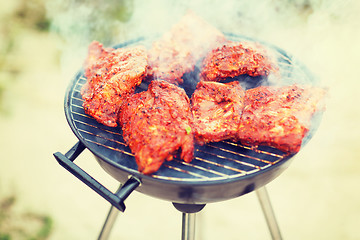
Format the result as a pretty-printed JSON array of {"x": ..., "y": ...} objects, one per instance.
[{"x": 194, "y": 182}]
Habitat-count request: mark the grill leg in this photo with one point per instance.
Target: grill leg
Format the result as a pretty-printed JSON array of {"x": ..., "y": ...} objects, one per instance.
[
  {"x": 109, "y": 222},
  {"x": 188, "y": 226},
  {"x": 188, "y": 219},
  {"x": 268, "y": 211}
]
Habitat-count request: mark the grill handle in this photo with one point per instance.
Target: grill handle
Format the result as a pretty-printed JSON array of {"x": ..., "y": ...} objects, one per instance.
[{"x": 116, "y": 199}]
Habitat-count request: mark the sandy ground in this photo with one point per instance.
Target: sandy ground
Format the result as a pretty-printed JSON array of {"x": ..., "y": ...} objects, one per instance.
[{"x": 316, "y": 198}]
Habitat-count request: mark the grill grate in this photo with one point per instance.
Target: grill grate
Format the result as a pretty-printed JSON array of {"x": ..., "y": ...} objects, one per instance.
[{"x": 213, "y": 161}]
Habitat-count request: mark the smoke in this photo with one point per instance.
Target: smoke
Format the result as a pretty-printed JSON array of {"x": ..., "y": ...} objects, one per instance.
[
  {"x": 79, "y": 22},
  {"x": 289, "y": 24}
]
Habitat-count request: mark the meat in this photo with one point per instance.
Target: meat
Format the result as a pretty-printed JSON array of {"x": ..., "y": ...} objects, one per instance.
[
  {"x": 112, "y": 74},
  {"x": 96, "y": 51},
  {"x": 279, "y": 116},
  {"x": 217, "y": 109},
  {"x": 178, "y": 50},
  {"x": 236, "y": 58},
  {"x": 156, "y": 124},
  {"x": 169, "y": 61}
]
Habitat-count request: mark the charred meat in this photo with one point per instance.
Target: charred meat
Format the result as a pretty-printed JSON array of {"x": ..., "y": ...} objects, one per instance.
[
  {"x": 217, "y": 109},
  {"x": 237, "y": 58},
  {"x": 178, "y": 50},
  {"x": 157, "y": 125},
  {"x": 279, "y": 117},
  {"x": 112, "y": 74}
]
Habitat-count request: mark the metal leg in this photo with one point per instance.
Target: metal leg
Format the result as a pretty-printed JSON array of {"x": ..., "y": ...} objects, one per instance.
[
  {"x": 269, "y": 213},
  {"x": 188, "y": 226},
  {"x": 188, "y": 219},
  {"x": 109, "y": 222}
]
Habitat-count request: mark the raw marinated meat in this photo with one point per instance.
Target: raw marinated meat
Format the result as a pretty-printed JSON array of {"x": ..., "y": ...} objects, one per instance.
[
  {"x": 157, "y": 125},
  {"x": 236, "y": 58},
  {"x": 217, "y": 109},
  {"x": 279, "y": 116},
  {"x": 112, "y": 74}
]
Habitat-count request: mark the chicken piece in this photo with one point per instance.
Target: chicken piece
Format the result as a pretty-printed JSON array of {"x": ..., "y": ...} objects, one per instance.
[
  {"x": 169, "y": 61},
  {"x": 236, "y": 58},
  {"x": 96, "y": 51},
  {"x": 279, "y": 116},
  {"x": 217, "y": 109},
  {"x": 156, "y": 124},
  {"x": 111, "y": 76},
  {"x": 178, "y": 50}
]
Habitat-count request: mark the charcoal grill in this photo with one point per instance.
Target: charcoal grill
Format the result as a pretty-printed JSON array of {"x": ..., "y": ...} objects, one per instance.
[{"x": 219, "y": 171}]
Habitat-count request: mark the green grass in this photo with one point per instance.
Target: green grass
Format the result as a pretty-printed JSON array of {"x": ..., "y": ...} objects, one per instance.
[{"x": 15, "y": 225}]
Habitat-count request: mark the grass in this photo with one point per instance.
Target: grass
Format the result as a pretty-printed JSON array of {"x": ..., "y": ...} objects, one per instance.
[{"x": 22, "y": 225}]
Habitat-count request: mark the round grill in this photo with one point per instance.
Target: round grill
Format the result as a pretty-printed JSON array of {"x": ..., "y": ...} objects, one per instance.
[{"x": 213, "y": 163}]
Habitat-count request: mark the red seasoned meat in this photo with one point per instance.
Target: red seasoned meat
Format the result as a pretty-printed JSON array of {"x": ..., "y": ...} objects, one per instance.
[
  {"x": 279, "y": 116},
  {"x": 236, "y": 58},
  {"x": 96, "y": 51},
  {"x": 217, "y": 109},
  {"x": 112, "y": 74},
  {"x": 157, "y": 125}
]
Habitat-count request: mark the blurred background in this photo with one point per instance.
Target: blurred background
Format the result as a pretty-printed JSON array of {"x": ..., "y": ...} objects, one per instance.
[{"x": 42, "y": 46}]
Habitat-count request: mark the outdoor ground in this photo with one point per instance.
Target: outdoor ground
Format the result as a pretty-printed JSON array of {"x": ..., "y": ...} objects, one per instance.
[{"x": 317, "y": 197}]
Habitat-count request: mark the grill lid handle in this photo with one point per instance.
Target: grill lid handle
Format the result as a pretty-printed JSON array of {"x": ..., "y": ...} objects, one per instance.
[{"x": 116, "y": 199}]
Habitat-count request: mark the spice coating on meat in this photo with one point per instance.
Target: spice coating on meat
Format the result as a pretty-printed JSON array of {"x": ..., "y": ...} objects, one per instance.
[
  {"x": 156, "y": 124},
  {"x": 110, "y": 78},
  {"x": 96, "y": 51},
  {"x": 236, "y": 58},
  {"x": 279, "y": 116},
  {"x": 178, "y": 50},
  {"x": 217, "y": 109}
]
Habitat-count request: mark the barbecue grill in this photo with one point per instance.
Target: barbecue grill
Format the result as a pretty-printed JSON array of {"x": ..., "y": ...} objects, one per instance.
[{"x": 219, "y": 171}]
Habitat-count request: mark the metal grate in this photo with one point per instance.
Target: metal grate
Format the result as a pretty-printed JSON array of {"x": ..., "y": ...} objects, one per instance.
[{"x": 213, "y": 161}]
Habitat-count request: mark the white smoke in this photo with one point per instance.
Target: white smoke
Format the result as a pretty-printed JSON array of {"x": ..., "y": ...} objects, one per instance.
[{"x": 289, "y": 24}]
